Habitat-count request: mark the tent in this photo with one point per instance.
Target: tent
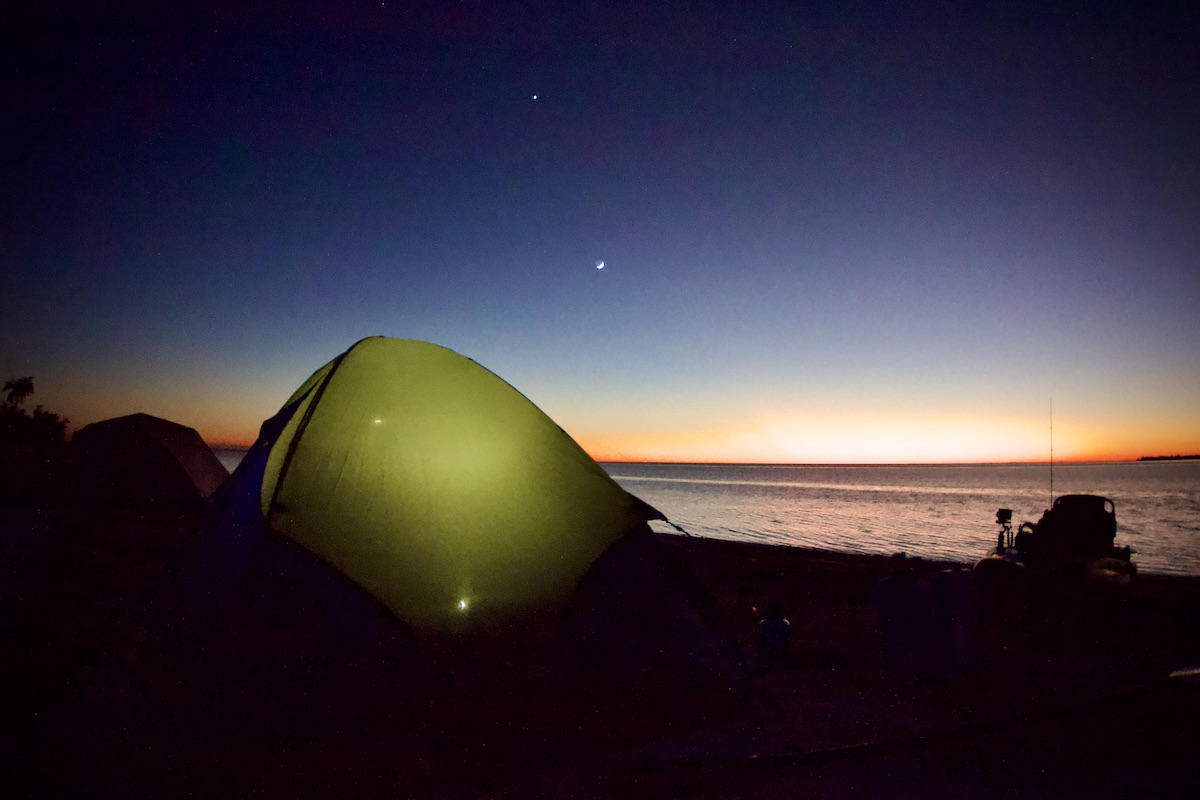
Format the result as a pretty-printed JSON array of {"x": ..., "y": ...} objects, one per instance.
[
  {"x": 413, "y": 552},
  {"x": 479, "y": 504},
  {"x": 141, "y": 461}
]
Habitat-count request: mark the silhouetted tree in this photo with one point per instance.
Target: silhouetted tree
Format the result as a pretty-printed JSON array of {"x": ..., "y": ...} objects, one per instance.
[
  {"x": 28, "y": 442},
  {"x": 17, "y": 389}
]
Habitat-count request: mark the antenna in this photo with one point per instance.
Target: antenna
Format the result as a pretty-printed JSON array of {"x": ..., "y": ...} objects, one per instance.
[{"x": 1051, "y": 451}]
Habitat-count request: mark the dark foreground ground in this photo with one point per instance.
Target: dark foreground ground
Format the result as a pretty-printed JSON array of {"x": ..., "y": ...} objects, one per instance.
[
  {"x": 1053, "y": 695},
  {"x": 1029, "y": 693}
]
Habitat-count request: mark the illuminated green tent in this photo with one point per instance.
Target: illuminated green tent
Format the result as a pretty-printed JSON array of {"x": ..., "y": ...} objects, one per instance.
[
  {"x": 416, "y": 557},
  {"x": 438, "y": 487}
]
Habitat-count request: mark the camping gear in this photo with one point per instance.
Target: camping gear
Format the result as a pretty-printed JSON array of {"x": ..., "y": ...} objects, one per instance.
[
  {"x": 143, "y": 462},
  {"x": 1075, "y": 538},
  {"x": 413, "y": 552},
  {"x": 435, "y": 485},
  {"x": 1071, "y": 547}
]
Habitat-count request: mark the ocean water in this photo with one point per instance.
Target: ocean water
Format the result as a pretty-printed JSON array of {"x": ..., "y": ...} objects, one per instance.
[
  {"x": 940, "y": 511},
  {"x": 229, "y": 457}
]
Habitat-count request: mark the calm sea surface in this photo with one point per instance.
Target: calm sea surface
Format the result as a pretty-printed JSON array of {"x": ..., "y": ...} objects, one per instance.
[{"x": 943, "y": 511}]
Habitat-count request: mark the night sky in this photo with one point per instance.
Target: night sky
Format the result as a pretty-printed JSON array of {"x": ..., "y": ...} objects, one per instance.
[{"x": 844, "y": 232}]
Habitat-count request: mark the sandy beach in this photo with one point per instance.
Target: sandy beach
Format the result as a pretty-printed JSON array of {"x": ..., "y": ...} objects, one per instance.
[
  {"x": 1052, "y": 695},
  {"x": 1069, "y": 700}
]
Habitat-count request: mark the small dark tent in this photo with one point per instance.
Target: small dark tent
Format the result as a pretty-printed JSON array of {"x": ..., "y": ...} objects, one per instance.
[
  {"x": 416, "y": 567},
  {"x": 136, "y": 488},
  {"x": 141, "y": 461}
]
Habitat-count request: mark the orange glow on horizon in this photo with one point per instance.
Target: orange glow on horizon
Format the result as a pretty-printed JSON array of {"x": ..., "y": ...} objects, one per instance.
[
  {"x": 844, "y": 440},
  {"x": 227, "y": 441},
  {"x": 849, "y": 437},
  {"x": 832, "y": 439}
]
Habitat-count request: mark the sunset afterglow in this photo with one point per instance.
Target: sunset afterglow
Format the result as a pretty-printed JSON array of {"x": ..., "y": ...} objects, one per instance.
[
  {"x": 872, "y": 440},
  {"x": 803, "y": 234}
]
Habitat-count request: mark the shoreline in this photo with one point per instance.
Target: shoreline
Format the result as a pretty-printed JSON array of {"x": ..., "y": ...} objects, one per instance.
[{"x": 839, "y": 691}]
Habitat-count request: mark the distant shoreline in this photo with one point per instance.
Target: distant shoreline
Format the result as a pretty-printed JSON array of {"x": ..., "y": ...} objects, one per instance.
[{"x": 1170, "y": 458}]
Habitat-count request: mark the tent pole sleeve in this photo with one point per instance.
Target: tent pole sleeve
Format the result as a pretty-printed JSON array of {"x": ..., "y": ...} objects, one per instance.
[{"x": 295, "y": 442}]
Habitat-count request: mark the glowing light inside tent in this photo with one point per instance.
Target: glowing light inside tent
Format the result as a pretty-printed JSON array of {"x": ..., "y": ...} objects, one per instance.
[
  {"x": 378, "y": 422},
  {"x": 466, "y": 496}
]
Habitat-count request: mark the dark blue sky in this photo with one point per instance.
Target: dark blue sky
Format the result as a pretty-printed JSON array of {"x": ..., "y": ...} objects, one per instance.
[{"x": 821, "y": 223}]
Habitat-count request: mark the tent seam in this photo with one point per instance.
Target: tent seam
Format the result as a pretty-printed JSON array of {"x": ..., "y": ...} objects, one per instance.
[{"x": 300, "y": 428}]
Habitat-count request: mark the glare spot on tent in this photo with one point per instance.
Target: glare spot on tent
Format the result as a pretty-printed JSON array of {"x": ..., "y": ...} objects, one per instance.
[{"x": 378, "y": 421}]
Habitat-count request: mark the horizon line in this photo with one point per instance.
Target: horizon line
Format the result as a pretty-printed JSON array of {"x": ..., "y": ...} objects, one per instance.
[{"x": 696, "y": 463}]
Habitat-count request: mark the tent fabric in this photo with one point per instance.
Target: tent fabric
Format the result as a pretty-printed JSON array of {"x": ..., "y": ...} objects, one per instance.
[
  {"x": 143, "y": 461},
  {"x": 306, "y": 662},
  {"x": 644, "y": 642},
  {"x": 437, "y": 486},
  {"x": 308, "y": 639},
  {"x": 322, "y": 594}
]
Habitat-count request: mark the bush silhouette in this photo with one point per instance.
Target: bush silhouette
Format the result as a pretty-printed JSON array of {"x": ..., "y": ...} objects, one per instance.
[{"x": 30, "y": 442}]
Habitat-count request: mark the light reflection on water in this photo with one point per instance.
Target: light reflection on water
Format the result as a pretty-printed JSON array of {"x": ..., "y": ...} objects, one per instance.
[
  {"x": 229, "y": 457},
  {"x": 939, "y": 511}
]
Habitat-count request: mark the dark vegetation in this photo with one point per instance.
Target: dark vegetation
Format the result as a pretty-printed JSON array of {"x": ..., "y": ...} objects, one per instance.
[{"x": 30, "y": 443}]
